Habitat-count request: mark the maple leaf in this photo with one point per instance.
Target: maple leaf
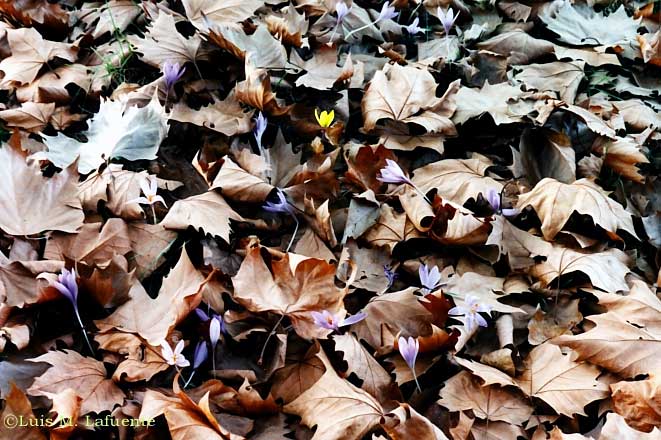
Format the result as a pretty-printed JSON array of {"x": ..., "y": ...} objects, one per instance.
[
  {"x": 554, "y": 202},
  {"x": 232, "y": 11},
  {"x": 338, "y": 409},
  {"x": 464, "y": 392},
  {"x": 207, "y": 211},
  {"x": 31, "y": 203},
  {"x": 457, "y": 180},
  {"x": 30, "y": 116},
  {"x": 29, "y": 53},
  {"x": 616, "y": 428},
  {"x": 290, "y": 285},
  {"x": 497, "y": 100},
  {"x": 406, "y": 422},
  {"x": 111, "y": 16},
  {"x": 225, "y": 117},
  {"x": 639, "y": 402},
  {"x": 403, "y": 94},
  {"x": 163, "y": 43},
  {"x": 626, "y": 339},
  {"x": 85, "y": 375},
  {"x": 133, "y": 134},
  {"x": 153, "y": 319}
]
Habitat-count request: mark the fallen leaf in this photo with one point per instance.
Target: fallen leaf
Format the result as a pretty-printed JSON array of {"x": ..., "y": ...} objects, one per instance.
[
  {"x": 85, "y": 375},
  {"x": 225, "y": 117},
  {"x": 639, "y": 402},
  {"x": 17, "y": 407},
  {"x": 616, "y": 428}
]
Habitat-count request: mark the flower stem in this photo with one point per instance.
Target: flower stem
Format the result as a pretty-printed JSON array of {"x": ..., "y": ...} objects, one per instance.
[
  {"x": 153, "y": 212},
  {"x": 213, "y": 360},
  {"x": 189, "y": 379},
  {"x": 415, "y": 377},
  {"x": 421, "y": 193},
  {"x": 293, "y": 236},
  {"x": 82, "y": 327},
  {"x": 261, "y": 355},
  {"x": 372, "y": 23}
]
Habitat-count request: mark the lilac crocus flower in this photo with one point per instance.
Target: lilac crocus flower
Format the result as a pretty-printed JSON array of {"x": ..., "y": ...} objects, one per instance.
[
  {"x": 413, "y": 28},
  {"x": 409, "y": 348},
  {"x": 392, "y": 173},
  {"x": 430, "y": 279},
  {"x": 493, "y": 197},
  {"x": 172, "y": 73},
  {"x": 260, "y": 127},
  {"x": 201, "y": 354},
  {"x": 447, "y": 19},
  {"x": 341, "y": 9},
  {"x": 387, "y": 12},
  {"x": 216, "y": 326},
  {"x": 283, "y": 207},
  {"x": 471, "y": 312},
  {"x": 390, "y": 274},
  {"x": 67, "y": 285},
  {"x": 329, "y": 321}
]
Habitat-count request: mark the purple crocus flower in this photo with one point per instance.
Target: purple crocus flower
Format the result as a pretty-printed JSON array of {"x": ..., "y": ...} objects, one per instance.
[
  {"x": 392, "y": 173},
  {"x": 341, "y": 9},
  {"x": 493, "y": 197},
  {"x": 387, "y": 12},
  {"x": 201, "y": 354},
  {"x": 260, "y": 127},
  {"x": 409, "y": 348},
  {"x": 471, "y": 312},
  {"x": 447, "y": 19},
  {"x": 329, "y": 321},
  {"x": 66, "y": 284},
  {"x": 413, "y": 28},
  {"x": 390, "y": 274},
  {"x": 282, "y": 206},
  {"x": 172, "y": 73},
  {"x": 430, "y": 279}
]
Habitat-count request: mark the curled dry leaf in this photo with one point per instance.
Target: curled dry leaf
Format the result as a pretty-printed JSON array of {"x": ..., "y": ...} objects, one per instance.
[
  {"x": 405, "y": 422},
  {"x": 639, "y": 402},
  {"x": 17, "y": 407}
]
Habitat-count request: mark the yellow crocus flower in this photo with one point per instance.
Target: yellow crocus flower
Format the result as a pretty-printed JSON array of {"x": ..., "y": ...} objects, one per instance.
[{"x": 325, "y": 119}]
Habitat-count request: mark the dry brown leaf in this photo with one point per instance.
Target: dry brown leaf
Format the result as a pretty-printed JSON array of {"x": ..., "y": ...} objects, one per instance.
[
  {"x": 32, "y": 13},
  {"x": 30, "y": 116},
  {"x": 405, "y": 94},
  {"x": 562, "y": 317},
  {"x": 322, "y": 71},
  {"x": 29, "y": 53},
  {"x": 112, "y": 15},
  {"x": 17, "y": 407},
  {"x": 496, "y": 431},
  {"x": 163, "y": 43},
  {"x": 406, "y": 423},
  {"x": 51, "y": 86},
  {"x": 237, "y": 184},
  {"x": 300, "y": 373},
  {"x": 255, "y": 91},
  {"x": 638, "y": 402},
  {"x": 95, "y": 244},
  {"x": 180, "y": 293},
  {"x": 567, "y": 386},
  {"x": 142, "y": 361},
  {"x": 457, "y": 180},
  {"x": 85, "y": 375},
  {"x": 622, "y": 155},
  {"x": 617, "y": 345},
  {"x": 226, "y": 117},
  {"x": 207, "y": 211},
  {"x": 31, "y": 203},
  {"x": 555, "y": 202},
  {"x": 233, "y": 11},
  {"x": 390, "y": 314},
  {"x": 66, "y": 404},
  {"x": 464, "y": 392},
  {"x": 19, "y": 285},
  {"x": 149, "y": 243},
  {"x": 290, "y": 285},
  {"x": 289, "y": 26},
  {"x": 482, "y": 287},
  {"x": 502, "y": 101},
  {"x": 616, "y": 428},
  {"x": 338, "y": 409},
  {"x": 376, "y": 380}
]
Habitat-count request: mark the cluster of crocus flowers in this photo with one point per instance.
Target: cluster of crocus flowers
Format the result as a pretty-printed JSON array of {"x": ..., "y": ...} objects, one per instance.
[
  {"x": 67, "y": 285},
  {"x": 216, "y": 327},
  {"x": 199, "y": 356},
  {"x": 325, "y": 119},
  {"x": 387, "y": 13},
  {"x": 392, "y": 173},
  {"x": 494, "y": 199},
  {"x": 429, "y": 278},
  {"x": 409, "y": 348},
  {"x": 471, "y": 312},
  {"x": 149, "y": 187},
  {"x": 329, "y": 321},
  {"x": 282, "y": 206}
]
